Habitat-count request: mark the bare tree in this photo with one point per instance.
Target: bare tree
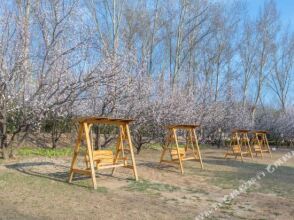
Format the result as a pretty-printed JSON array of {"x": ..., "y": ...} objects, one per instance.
[
  {"x": 281, "y": 77},
  {"x": 267, "y": 27}
]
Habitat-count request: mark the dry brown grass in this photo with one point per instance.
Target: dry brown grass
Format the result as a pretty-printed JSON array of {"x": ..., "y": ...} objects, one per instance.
[{"x": 36, "y": 188}]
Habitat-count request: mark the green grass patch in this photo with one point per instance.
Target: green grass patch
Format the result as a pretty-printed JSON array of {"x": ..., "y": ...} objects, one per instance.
[
  {"x": 147, "y": 186},
  {"x": 45, "y": 152}
]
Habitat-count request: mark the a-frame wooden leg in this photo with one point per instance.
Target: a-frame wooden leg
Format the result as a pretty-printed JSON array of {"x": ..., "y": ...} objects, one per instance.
[
  {"x": 128, "y": 135},
  {"x": 165, "y": 146},
  {"x": 190, "y": 133},
  {"x": 249, "y": 147},
  {"x": 267, "y": 144},
  {"x": 198, "y": 149},
  {"x": 90, "y": 154},
  {"x": 178, "y": 151},
  {"x": 76, "y": 152}
]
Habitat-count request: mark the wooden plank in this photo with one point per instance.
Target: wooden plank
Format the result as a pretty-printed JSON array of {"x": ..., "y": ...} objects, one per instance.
[
  {"x": 90, "y": 154},
  {"x": 107, "y": 166},
  {"x": 190, "y": 158},
  {"x": 102, "y": 120},
  {"x": 88, "y": 119},
  {"x": 178, "y": 151},
  {"x": 182, "y": 126}
]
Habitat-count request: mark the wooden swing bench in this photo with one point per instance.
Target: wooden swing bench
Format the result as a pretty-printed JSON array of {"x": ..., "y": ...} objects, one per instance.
[
  {"x": 178, "y": 154},
  {"x": 260, "y": 143},
  {"x": 239, "y": 145},
  {"x": 103, "y": 159}
]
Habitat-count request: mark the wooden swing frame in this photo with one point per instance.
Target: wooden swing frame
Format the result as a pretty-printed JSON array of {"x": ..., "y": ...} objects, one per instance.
[
  {"x": 85, "y": 124},
  {"x": 239, "y": 145},
  {"x": 177, "y": 154},
  {"x": 260, "y": 143}
]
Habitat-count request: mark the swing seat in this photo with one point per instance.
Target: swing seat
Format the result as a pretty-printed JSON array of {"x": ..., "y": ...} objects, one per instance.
[
  {"x": 102, "y": 157},
  {"x": 257, "y": 148},
  {"x": 174, "y": 153},
  {"x": 236, "y": 148}
]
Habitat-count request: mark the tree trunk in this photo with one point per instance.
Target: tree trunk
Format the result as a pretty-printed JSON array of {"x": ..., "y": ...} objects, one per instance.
[{"x": 3, "y": 131}]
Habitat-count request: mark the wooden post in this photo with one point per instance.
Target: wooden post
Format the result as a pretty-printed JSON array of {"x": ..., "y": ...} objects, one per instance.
[
  {"x": 132, "y": 151},
  {"x": 198, "y": 149},
  {"x": 165, "y": 145},
  {"x": 90, "y": 154},
  {"x": 178, "y": 151},
  {"x": 76, "y": 152},
  {"x": 247, "y": 142},
  {"x": 267, "y": 145}
]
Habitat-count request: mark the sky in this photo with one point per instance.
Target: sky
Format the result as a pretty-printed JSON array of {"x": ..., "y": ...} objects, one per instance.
[
  {"x": 286, "y": 10},
  {"x": 285, "y": 7}
]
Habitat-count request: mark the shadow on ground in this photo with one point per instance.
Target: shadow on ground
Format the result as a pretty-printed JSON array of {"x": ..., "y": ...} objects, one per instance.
[{"x": 59, "y": 176}]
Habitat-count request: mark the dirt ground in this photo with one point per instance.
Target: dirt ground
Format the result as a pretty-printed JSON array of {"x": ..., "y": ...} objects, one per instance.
[{"x": 36, "y": 188}]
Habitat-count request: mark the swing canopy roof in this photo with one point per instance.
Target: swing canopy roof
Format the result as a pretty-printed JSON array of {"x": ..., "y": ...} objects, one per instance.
[
  {"x": 101, "y": 120},
  {"x": 259, "y": 132},
  {"x": 183, "y": 126}
]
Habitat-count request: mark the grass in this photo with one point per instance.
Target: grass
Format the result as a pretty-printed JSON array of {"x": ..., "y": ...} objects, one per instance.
[
  {"x": 44, "y": 152},
  {"x": 8, "y": 179},
  {"x": 147, "y": 186}
]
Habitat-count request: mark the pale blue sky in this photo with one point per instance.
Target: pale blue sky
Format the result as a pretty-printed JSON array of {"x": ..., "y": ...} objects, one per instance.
[
  {"x": 285, "y": 8},
  {"x": 286, "y": 12}
]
